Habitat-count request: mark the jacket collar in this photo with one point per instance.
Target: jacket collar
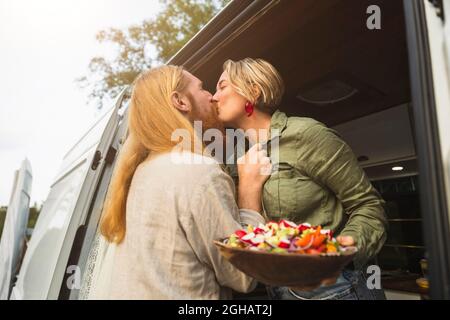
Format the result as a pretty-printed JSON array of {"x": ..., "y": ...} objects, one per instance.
[{"x": 278, "y": 123}]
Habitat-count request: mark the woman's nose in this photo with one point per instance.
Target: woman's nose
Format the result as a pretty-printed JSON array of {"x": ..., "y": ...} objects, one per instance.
[{"x": 215, "y": 97}]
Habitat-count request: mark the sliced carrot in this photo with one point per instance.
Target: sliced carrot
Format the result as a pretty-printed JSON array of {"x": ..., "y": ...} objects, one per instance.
[
  {"x": 318, "y": 240},
  {"x": 302, "y": 242},
  {"x": 319, "y": 228}
]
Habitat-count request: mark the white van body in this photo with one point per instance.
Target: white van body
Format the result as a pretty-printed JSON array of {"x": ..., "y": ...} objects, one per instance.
[
  {"x": 439, "y": 40},
  {"x": 12, "y": 243},
  {"x": 64, "y": 211}
]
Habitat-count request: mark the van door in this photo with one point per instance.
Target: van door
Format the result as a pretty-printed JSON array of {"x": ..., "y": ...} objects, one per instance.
[
  {"x": 67, "y": 266},
  {"x": 13, "y": 240},
  {"x": 428, "y": 46},
  {"x": 93, "y": 250},
  {"x": 46, "y": 262}
]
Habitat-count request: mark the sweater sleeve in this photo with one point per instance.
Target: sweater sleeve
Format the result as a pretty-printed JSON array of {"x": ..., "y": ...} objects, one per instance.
[{"x": 214, "y": 215}]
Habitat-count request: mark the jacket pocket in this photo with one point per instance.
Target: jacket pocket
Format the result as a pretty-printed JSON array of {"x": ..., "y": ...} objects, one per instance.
[{"x": 292, "y": 195}]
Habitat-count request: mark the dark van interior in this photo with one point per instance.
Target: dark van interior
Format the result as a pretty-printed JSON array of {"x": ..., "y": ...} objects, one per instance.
[{"x": 356, "y": 80}]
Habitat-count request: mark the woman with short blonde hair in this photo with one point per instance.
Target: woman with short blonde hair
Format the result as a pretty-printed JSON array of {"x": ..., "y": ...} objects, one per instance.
[
  {"x": 318, "y": 179},
  {"x": 256, "y": 80}
]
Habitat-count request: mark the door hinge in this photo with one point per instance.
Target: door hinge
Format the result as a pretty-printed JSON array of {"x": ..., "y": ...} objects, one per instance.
[
  {"x": 439, "y": 5},
  {"x": 96, "y": 160},
  {"x": 110, "y": 155},
  {"x": 109, "y": 158}
]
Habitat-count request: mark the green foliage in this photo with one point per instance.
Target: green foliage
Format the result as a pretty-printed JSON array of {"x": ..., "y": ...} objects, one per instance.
[
  {"x": 140, "y": 47},
  {"x": 2, "y": 219},
  {"x": 32, "y": 218},
  {"x": 34, "y": 214}
]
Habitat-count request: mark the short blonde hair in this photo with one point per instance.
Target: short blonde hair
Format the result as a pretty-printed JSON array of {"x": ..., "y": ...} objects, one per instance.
[{"x": 256, "y": 80}]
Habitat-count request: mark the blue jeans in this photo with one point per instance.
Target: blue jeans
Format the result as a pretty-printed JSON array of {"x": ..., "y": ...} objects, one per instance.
[{"x": 351, "y": 285}]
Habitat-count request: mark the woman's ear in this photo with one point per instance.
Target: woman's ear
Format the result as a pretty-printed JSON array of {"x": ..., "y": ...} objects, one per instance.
[
  {"x": 180, "y": 102},
  {"x": 256, "y": 92}
]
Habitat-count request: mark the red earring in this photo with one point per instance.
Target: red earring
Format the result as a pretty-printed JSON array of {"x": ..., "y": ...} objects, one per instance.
[{"x": 249, "y": 107}]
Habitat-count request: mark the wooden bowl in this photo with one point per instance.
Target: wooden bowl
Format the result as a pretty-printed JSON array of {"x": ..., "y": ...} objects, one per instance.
[{"x": 299, "y": 271}]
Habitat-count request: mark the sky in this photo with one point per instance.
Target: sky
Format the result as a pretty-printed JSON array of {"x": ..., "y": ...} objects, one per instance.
[{"x": 45, "y": 46}]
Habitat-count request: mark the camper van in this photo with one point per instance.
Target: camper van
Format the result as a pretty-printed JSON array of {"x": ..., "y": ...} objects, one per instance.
[{"x": 376, "y": 71}]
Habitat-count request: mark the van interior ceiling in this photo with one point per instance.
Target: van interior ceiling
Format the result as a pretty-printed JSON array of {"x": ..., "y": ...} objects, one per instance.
[
  {"x": 355, "y": 80},
  {"x": 322, "y": 50}
]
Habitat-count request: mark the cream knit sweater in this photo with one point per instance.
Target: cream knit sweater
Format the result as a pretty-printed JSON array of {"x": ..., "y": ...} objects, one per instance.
[{"x": 174, "y": 212}]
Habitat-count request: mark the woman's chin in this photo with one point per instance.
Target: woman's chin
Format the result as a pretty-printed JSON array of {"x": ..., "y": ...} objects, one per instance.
[
  {"x": 229, "y": 122},
  {"x": 222, "y": 118}
]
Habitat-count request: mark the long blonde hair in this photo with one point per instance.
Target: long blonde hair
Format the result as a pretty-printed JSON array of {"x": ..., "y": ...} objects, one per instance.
[{"x": 151, "y": 121}]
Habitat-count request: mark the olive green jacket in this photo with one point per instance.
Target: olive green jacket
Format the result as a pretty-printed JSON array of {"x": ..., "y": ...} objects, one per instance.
[{"x": 317, "y": 180}]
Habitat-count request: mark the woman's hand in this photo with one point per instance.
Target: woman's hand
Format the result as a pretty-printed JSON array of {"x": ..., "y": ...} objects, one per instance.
[
  {"x": 346, "y": 241},
  {"x": 254, "y": 168}
]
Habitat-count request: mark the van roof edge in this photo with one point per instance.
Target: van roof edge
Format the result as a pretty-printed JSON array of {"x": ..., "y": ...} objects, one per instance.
[{"x": 232, "y": 11}]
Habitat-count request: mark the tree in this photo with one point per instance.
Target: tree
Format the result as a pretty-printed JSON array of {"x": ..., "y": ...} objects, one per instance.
[
  {"x": 2, "y": 218},
  {"x": 140, "y": 47},
  {"x": 32, "y": 218}
]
